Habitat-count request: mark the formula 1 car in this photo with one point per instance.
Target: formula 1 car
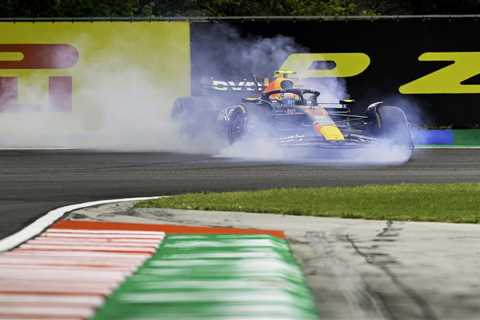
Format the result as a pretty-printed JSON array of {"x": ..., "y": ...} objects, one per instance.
[{"x": 293, "y": 117}]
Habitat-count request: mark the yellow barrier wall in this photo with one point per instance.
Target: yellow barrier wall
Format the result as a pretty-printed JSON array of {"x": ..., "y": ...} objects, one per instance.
[{"x": 110, "y": 66}]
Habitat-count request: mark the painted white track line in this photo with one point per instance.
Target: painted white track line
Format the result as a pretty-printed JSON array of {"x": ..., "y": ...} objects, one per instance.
[
  {"x": 49, "y": 218},
  {"x": 446, "y": 147},
  {"x": 35, "y": 149}
]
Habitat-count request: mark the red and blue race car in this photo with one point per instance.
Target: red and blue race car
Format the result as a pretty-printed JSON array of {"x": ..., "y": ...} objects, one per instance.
[{"x": 291, "y": 116}]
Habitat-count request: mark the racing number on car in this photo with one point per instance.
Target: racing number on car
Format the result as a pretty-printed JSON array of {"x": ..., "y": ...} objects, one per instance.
[
  {"x": 35, "y": 57},
  {"x": 464, "y": 66}
]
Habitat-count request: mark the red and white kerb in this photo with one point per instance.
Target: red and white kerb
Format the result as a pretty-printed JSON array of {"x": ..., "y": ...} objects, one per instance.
[{"x": 66, "y": 274}]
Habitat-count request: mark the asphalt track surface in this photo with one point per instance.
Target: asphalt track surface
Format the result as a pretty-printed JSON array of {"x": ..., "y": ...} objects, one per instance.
[{"x": 34, "y": 182}]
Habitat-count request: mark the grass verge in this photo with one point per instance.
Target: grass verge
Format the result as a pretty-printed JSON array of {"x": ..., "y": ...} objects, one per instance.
[{"x": 417, "y": 202}]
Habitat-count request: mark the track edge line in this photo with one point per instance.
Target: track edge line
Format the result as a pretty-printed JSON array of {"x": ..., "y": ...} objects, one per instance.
[{"x": 51, "y": 217}]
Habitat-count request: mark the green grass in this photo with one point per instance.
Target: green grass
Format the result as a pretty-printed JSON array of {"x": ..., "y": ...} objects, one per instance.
[{"x": 416, "y": 202}]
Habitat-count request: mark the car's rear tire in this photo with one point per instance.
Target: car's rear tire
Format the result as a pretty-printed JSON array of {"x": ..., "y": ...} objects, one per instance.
[
  {"x": 207, "y": 120},
  {"x": 193, "y": 116},
  {"x": 234, "y": 123},
  {"x": 394, "y": 127},
  {"x": 185, "y": 108}
]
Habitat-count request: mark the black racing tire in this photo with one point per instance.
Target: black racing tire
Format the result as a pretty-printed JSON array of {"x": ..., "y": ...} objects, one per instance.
[
  {"x": 393, "y": 127},
  {"x": 193, "y": 115},
  {"x": 185, "y": 106},
  {"x": 235, "y": 123},
  {"x": 183, "y": 111}
]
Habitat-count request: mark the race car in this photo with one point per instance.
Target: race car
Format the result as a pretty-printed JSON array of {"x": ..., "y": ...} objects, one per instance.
[{"x": 290, "y": 116}]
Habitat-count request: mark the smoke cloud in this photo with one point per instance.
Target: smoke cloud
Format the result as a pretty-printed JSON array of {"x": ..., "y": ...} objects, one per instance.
[
  {"x": 125, "y": 108},
  {"x": 118, "y": 105},
  {"x": 243, "y": 55}
]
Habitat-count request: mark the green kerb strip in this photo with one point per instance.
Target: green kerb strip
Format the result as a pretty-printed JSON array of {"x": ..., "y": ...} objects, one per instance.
[{"x": 214, "y": 277}]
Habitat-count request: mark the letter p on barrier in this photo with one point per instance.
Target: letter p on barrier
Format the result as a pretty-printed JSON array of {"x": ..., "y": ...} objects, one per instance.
[
  {"x": 327, "y": 65},
  {"x": 37, "y": 57}
]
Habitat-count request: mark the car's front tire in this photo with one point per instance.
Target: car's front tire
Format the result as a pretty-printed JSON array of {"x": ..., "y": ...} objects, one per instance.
[{"x": 393, "y": 127}]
